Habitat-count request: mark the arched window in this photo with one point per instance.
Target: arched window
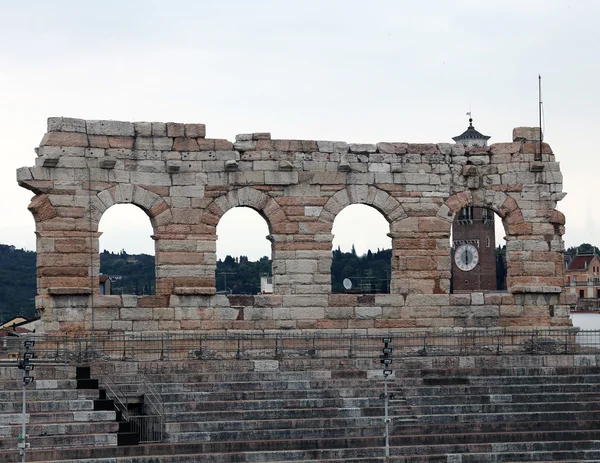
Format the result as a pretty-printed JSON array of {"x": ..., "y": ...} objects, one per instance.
[
  {"x": 478, "y": 251},
  {"x": 243, "y": 253},
  {"x": 362, "y": 251},
  {"x": 126, "y": 252}
]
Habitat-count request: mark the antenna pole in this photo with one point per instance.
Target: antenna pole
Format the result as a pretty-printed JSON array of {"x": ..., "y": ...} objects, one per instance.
[{"x": 539, "y": 155}]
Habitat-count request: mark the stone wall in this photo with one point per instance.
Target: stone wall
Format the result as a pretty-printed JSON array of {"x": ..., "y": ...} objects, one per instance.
[{"x": 185, "y": 182}]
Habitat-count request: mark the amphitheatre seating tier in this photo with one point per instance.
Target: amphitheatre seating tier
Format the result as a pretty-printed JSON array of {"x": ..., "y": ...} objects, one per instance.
[{"x": 499, "y": 408}]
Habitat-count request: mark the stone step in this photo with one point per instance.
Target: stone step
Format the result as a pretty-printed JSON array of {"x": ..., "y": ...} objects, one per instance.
[
  {"x": 64, "y": 440},
  {"x": 58, "y": 417},
  {"x": 411, "y": 428},
  {"x": 195, "y": 377},
  {"x": 358, "y": 455},
  {"x": 205, "y": 396},
  {"x": 55, "y": 429},
  {"x": 374, "y": 428},
  {"x": 38, "y": 384},
  {"x": 272, "y": 404},
  {"x": 509, "y": 412},
  {"x": 278, "y": 434},
  {"x": 553, "y": 387},
  {"x": 47, "y": 406},
  {"x": 412, "y": 441},
  {"x": 247, "y": 452},
  {"x": 502, "y": 398},
  {"x": 302, "y": 413},
  {"x": 281, "y": 423},
  {"x": 49, "y": 394},
  {"x": 501, "y": 389}
]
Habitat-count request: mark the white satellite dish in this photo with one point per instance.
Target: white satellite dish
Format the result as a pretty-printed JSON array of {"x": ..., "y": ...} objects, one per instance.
[{"x": 347, "y": 283}]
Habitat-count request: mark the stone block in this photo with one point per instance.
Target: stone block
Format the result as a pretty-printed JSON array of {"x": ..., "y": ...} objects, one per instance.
[
  {"x": 362, "y": 148},
  {"x": 368, "y": 313},
  {"x": 477, "y": 298},
  {"x": 265, "y": 365},
  {"x": 65, "y": 139},
  {"x": 194, "y": 130},
  {"x": 66, "y": 124},
  {"x": 112, "y": 128}
]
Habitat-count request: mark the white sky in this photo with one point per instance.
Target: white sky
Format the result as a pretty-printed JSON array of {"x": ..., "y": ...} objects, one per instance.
[{"x": 333, "y": 70}]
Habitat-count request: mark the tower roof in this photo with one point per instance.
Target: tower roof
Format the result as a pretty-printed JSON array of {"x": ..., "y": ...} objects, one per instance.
[{"x": 470, "y": 134}]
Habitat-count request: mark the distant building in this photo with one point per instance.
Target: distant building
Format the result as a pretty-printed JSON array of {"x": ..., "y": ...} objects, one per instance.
[
  {"x": 582, "y": 277},
  {"x": 105, "y": 282},
  {"x": 473, "y": 236},
  {"x": 266, "y": 284}
]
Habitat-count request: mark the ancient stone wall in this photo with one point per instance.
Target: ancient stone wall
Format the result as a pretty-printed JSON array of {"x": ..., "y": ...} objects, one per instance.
[{"x": 185, "y": 182}]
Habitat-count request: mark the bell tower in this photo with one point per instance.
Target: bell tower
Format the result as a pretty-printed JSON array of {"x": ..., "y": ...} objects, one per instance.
[{"x": 473, "y": 236}]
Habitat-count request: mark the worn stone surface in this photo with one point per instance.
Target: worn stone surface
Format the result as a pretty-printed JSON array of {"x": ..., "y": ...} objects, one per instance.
[{"x": 185, "y": 182}]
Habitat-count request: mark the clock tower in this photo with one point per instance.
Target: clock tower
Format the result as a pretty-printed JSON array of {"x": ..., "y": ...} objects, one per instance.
[{"x": 473, "y": 236}]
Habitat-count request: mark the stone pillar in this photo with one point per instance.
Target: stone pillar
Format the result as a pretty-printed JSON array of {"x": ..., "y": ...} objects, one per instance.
[
  {"x": 185, "y": 264},
  {"x": 420, "y": 256},
  {"x": 301, "y": 265}
]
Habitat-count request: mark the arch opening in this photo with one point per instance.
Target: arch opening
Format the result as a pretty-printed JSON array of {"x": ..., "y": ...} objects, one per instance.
[
  {"x": 127, "y": 261},
  {"x": 478, "y": 251},
  {"x": 244, "y": 253},
  {"x": 361, "y": 251}
]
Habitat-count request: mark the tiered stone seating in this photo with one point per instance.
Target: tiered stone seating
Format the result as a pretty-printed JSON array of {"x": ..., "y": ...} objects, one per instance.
[
  {"x": 59, "y": 414},
  {"x": 331, "y": 410}
]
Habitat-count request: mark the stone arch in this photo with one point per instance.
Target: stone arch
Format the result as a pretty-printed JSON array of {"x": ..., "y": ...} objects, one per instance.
[
  {"x": 370, "y": 195},
  {"x": 262, "y": 203},
  {"x": 151, "y": 203},
  {"x": 502, "y": 204}
]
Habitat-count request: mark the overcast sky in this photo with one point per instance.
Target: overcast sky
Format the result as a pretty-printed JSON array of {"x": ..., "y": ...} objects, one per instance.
[{"x": 335, "y": 70}]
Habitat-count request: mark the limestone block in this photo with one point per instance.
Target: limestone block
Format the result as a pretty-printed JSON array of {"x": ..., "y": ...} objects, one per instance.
[
  {"x": 113, "y": 128},
  {"x": 368, "y": 313},
  {"x": 325, "y": 146},
  {"x": 261, "y": 136},
  {"x": 526, "y": 134},
  {"x": 362, "y": 148},
  {"x": 477, "y": 299},
  {"x": 413, "y": 300},
  {"x": 307, "y": 313},
  {"x": 150, "y": 178},
  {"x": 66, "y": 124},
  {"x": 142, "y": 129},
  {"x": 258, "y": 313},
  {"x": 281, "y": 178},
  {"x": 458, "y": 149},
  {"x": 194, "y": 130},
  {"x": 244, "y": 145},
  {"x": 265, "y": 365},
  {"x": 64, "y": 139}
]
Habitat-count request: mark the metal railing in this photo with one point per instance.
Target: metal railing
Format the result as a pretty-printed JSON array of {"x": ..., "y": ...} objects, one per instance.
[
  {"x": 282, "y": 345},
  {"x": 140, "y": 405}
]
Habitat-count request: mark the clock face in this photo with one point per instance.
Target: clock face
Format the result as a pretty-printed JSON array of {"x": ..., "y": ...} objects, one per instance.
[{"x": 466, "y": 257}]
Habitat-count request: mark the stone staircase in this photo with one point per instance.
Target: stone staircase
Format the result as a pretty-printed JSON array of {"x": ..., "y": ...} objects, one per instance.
[
  {"x": 498, "y": 409},
  {"x": 65, "y": 412}
]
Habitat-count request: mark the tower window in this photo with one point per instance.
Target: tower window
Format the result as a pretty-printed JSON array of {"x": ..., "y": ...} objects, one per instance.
[
  {"x": 487, "y": 241},
  {"x": 466, "y": 213}
]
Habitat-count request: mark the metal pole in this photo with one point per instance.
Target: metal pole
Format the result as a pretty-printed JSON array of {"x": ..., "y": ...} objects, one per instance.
[
  {"x": 539, "y": 157},
  {"x": 387, "y": 421},
  {"x": 23, "y": 439}
]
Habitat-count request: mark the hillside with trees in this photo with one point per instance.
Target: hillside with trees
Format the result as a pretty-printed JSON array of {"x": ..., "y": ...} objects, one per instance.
[
  {"x": 17, "y": 282},
  {"x": 134, "y": 274}
]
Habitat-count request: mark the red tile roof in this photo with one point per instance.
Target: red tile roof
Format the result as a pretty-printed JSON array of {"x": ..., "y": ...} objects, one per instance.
[{"x": 581, "y": 262}]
